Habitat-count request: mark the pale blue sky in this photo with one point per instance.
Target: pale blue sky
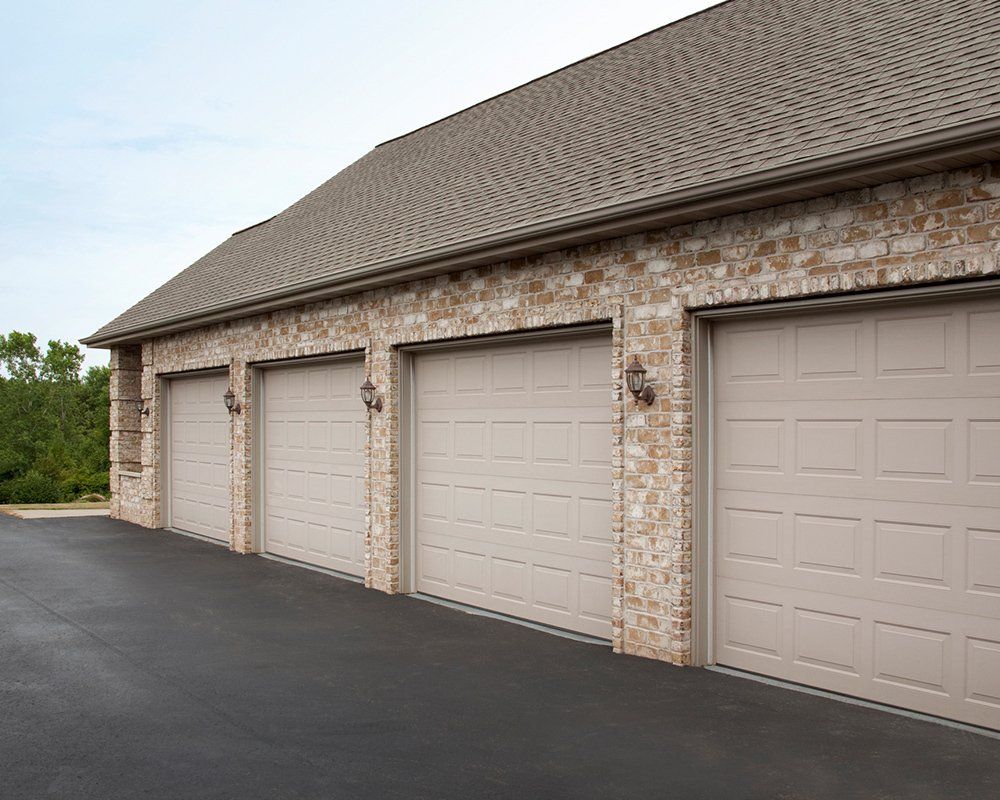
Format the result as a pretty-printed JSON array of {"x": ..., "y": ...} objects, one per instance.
[{"x": 134, "y": 136}]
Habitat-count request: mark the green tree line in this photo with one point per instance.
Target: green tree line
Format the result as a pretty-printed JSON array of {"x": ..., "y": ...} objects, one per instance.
[{"x": 53, "y": 422}]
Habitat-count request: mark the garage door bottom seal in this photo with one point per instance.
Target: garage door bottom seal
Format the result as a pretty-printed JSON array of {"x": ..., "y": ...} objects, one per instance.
[
  {"x": 333, "y": 573},
  {"x": 200, "y": 537},
  {"x": 482, "y": 612},
  {"x": 854, "y": 701}
]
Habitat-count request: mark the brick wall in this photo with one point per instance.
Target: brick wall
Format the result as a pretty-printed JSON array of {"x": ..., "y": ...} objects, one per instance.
[{"x": 935, "y": 228}]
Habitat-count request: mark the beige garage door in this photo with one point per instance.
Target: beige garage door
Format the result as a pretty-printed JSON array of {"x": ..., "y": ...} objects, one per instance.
[
  {"x": 857, "y": 502},
  {"x": 513, "y": 479},
  {"x": 313, "y": 458},
  {"x": 199, "y": 455}
]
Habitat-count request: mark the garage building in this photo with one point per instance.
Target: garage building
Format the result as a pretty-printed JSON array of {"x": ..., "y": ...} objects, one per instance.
[{"x": 780, "y": 220}]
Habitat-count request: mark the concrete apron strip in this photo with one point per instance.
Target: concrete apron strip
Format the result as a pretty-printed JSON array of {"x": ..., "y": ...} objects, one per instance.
[
  {"x": 854, "y": 701},
  {"x": 52, "y": 513}
]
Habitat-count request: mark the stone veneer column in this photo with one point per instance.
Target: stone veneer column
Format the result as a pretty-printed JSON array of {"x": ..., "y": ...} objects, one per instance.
[
  {"x": 382, "y": 479},
  {"x": 126, "y": 428},
  {"x": 241, "y": 463}
]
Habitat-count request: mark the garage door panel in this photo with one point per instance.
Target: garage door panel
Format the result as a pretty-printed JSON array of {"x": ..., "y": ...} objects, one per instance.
[
  {"x": 569, "y": 370},
  {"x": 515, "y": 479},
  {"x": 560, "y": 590},
  {"x": 552, "y": 448},
  {"x": 938, "y": 661},
  {"x": 558, "y": 520},
  {"x": 314, "y": 463},
  {"x": 934, "y": 450},
  {"x": 856, "y": 504},
  {"x": 512, "y": 486},
  {"x": 916, "y": 554},
  {"x": 889, "y": 354},
  {"x": 548, "y": 402},
  {"x": 198, "y": 449},
  {"x": 514, "y": 471}
]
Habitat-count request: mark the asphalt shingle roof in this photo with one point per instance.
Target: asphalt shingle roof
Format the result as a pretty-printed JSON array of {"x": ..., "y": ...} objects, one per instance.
[{"x": 742, "y": 87}]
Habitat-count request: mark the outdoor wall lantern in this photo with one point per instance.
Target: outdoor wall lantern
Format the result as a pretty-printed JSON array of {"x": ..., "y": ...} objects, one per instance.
[
  {"x": 368, "y": 396},
  {"x": 635, "y": 379},
  {"x": 140, "y": 406},
  {"x": 230, "y": 400}
]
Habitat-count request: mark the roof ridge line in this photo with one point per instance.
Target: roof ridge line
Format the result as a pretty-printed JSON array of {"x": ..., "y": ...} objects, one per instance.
[
  {"x": 250, "y": 227},
  {"x": 556, "y": 71}
]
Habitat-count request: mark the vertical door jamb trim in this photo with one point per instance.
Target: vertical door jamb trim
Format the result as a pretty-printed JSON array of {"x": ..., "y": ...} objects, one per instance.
[
  {"x": 702, "y": 491},
  {"x": 256, "y": 458},
  {"x": 407, "y": 532},
  {"x": 166, "y": 456}
]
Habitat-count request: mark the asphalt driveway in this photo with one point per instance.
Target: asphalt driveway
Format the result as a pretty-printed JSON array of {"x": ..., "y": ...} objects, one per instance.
[{"x": 148, "y": 664}]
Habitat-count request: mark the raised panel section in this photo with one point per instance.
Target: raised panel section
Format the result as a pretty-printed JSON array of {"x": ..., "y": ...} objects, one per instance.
[
  {"x": 595, "y": 520},
  {"x": 595, "y": 444},
  {"x": 982, "y": 673},
  {"x": 828, "y": 447},
  {"x": 470, "y": 571},
  {"x": 755, "y": 445},
  {"x": 433, "y": 376},
  {"x": 827, "y": 641},
  {"x": 341, "y": 435},
  {"x": 433, "y": 563},
  {"x": 508, "y": 579},
  {"x": 470, "y": 440},
  {"x": 551, "y": 370},
  {"x": 551, "y": 514},
  {"x": 750, "y": 535},
  {"x": 470, "y": 375},
  {"x": 509, "y": 441},
  {"x": 509, "y": 373},
  {"x": 827, "y": 544},
  {"x": 984, "y": 343},
  {"x": 551, "y": 588},
  {"x": 828, "y": 352},
  {"x": 552, "y": 442},
  {"x": 983, "y": 563},
  {"x": 914, "y": 450},
  {"x": 470, "y": 505},
  {"x": 755, "y": 355},
  {"x": 912, "y": 347},
  {"x": 911, "y": 657},
  {"x": 595, "y": 598},
  {"x": 984, "y": 451},
  {"x": 753, "y": 625},
  {"x": 433, "y": 501},
  {"x": 509, "y": 510},
  {"x": 911, "y": 553},
  {"x": 433, "y": 438},
  {"x": 595, "y": 367}
]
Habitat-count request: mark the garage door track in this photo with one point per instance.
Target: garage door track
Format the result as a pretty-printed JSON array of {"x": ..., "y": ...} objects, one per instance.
[{"x": 148, "y": 664}]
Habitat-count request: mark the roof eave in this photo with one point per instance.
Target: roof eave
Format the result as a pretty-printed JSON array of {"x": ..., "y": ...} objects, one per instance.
[{"x": 925, "y": 152}]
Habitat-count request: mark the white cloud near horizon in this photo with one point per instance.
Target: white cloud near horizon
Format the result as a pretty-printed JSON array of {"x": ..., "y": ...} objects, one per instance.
[{"x": 134, "y": 137}]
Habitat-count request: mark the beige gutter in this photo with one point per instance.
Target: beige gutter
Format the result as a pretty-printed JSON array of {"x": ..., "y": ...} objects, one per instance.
[{"x": 607, "y": 221}]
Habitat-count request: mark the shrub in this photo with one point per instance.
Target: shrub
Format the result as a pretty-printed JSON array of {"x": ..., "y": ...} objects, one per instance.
[
  {"x": 32, "y": 487},
  {"x": 82, "y": 482}
]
